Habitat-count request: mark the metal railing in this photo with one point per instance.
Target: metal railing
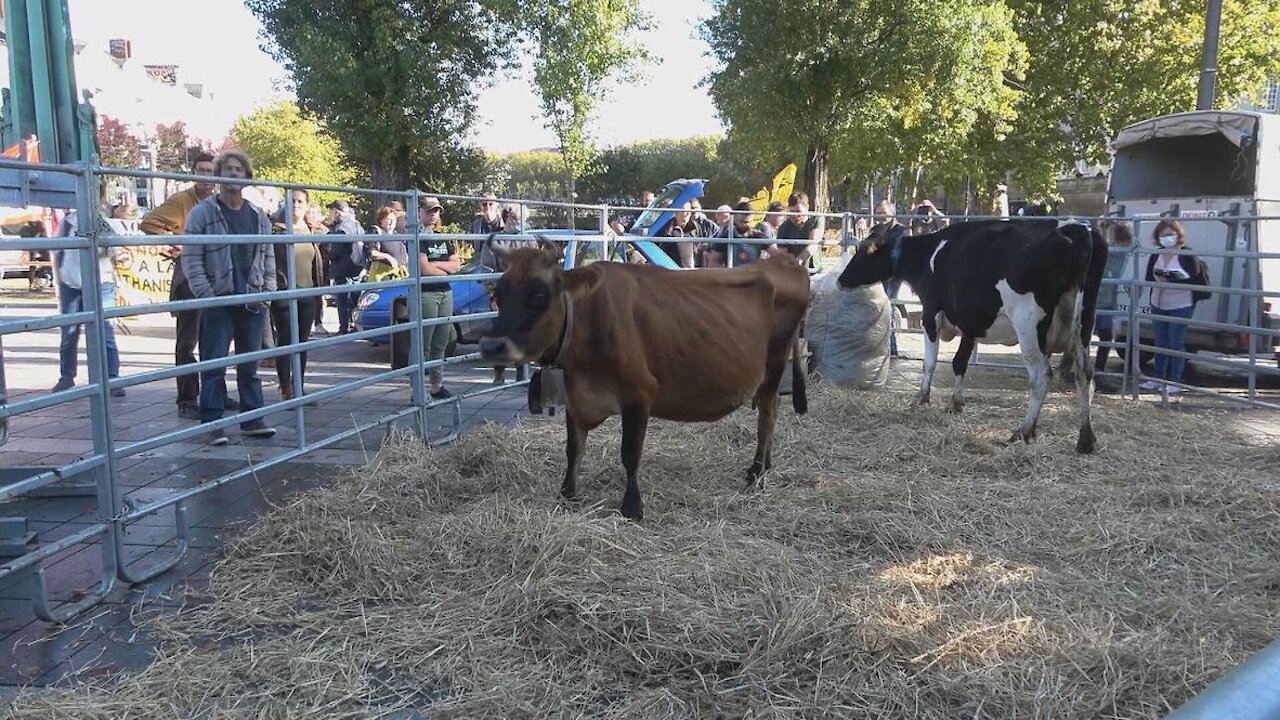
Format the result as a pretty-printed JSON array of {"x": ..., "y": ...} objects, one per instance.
[
  {"x": 114, "y": 510},
  {"x": 115, "y": 513}
]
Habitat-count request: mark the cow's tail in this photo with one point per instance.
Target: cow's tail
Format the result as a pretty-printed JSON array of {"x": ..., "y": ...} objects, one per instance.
[
  {"x": 1092, "y": 251},
  {"x": 799, "y": 394}
]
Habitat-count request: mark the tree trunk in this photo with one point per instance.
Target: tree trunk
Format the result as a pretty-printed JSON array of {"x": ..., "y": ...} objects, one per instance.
[
  {"x": 571, "y": 196},
  {"x": 390, "y": 173},
  {"x": 815, "y": 174}
]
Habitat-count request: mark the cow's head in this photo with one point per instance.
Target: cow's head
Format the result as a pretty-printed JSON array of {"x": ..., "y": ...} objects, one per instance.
[
  {"x": 873, "y": 261},
  {"x": 531, "y": 309}
]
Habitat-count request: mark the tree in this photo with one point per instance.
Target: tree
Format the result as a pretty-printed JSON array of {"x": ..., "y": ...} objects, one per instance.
[
  {"x": 581, "y": 46},
  {"x": 1102, "y": 65},
  {"x": 394, "y": 80},
  {"x": 869, "y": 81},
  {"x": 627, "y": 170},
  {"x": 285, "y": 145},
  {"x": 173, "y": 147},
  {"x": 117, "y": 147},
  {"x": 533, "y": 175}
]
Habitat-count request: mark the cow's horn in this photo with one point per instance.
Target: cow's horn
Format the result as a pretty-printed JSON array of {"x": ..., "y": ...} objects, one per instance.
[
  {"x": 499, "y": 250},
  {"x": 551, "y": 248}
]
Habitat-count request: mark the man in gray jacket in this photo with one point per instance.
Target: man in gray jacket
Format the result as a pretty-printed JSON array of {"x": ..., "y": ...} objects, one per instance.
[{"x": 230, "y": 269}]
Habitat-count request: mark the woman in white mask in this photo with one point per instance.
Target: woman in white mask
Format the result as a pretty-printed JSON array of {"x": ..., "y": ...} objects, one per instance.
[{"x": 1174, "y": 297}]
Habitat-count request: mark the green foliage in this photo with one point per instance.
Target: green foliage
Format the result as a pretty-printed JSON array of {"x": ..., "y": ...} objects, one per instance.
[
  {"x": 581, "y": 46},
  {"x": 628, "y": 170},
  {"x": 1099, "y": 66},
  {"x": 532, "y": 174},
  {"x": 117, "y": 147},
  {"x": 862, "y": 84},
  {"x": 285, "y": 145},
  {"x": 394, "y": 80},
  {"x": 1021, "y": 88}
]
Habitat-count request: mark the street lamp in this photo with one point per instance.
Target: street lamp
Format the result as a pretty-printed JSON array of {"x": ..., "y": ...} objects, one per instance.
[{"x": 1209, "y": 62}]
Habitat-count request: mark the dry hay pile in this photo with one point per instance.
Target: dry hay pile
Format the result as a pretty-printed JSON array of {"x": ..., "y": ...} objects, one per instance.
[{"x": 901, "y": 563}]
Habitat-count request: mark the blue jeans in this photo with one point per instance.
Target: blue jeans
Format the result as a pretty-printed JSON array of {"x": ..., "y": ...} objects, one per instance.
[
  {"x": 1171, "y": 336},
  {"x": 218, "y": 328},
  {"x": 71, "y": 300},
  {"x": 891, "y": 288}
]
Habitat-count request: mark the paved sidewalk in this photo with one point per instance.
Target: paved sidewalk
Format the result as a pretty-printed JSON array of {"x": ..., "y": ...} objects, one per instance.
[{"x": 105, "y": 638}]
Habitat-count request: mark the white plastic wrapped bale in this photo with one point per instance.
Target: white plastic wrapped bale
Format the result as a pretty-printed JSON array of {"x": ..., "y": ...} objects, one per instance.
[{"x": 848, "y": 331}]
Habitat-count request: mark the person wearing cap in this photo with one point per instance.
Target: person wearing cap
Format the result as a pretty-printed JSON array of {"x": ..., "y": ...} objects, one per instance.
[{"x": 436, "y": 258}]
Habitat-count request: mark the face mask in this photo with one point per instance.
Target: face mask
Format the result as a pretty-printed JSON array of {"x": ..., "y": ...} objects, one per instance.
[{"x": 1168, "y": 241}]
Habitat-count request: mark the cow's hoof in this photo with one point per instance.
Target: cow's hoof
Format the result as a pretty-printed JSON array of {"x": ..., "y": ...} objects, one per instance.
[
  {"x": 1020, "y": 436},
  {"x": 1087, "y": 442},
  {"x": 922, "y": 399},
  {"x": 632, "y": 509},
  {"x": 956, "y": 407},
  {"x": 754, "y": 482}
]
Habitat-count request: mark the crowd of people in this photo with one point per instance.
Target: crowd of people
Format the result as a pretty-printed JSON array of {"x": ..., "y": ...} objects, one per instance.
[
  {"x": 349, "y": 253},
  {"x": 346, "y": 255}
]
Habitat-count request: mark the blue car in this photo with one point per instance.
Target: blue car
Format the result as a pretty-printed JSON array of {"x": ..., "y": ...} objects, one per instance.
[{"x": 382, "y": 308}]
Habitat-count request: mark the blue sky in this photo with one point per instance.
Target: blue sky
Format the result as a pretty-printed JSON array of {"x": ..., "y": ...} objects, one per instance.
[{"x": 665, "y": 103}]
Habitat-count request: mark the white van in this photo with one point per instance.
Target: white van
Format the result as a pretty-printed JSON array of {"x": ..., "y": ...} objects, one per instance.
[{"x": 1215, "y": 164}]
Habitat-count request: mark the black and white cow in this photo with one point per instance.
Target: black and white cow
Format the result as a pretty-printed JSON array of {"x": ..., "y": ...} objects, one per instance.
[{"x": 1033, "y": 283}]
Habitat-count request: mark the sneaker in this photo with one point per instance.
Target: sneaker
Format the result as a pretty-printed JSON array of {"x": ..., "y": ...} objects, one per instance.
[
  {"x": 117, "y": 392},
  {"x": 64, "y": 384},
  {"x": 442, "y": 394},
  {"x": 258, "y": 431},
  {"x": 189, "y": 412},
  {"x": 1151, "y": 386},
  {"x": 217, "y": 438},
  {"x": 1174, "y": 390},
  {"x": 320, "y": 331}
]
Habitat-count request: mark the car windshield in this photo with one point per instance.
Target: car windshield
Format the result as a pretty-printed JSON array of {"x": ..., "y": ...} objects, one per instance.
[
  {"x": 588, "y": 251},
  {"x": 656, "y": 208}
]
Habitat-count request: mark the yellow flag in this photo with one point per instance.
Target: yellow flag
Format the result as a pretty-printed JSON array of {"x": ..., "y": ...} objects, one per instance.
[{"x": 783, "y": 183}]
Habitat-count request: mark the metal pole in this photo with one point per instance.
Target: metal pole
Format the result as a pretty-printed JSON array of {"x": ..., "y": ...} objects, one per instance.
[
  {"x": 604, "y": 232},
  {"x": 1133, "y": 363},
  {"x": 96, "y": 353},
  {"x": 1209, "y": 62},
  {"x": 1248, "y": 692},
  {"x": 417, "y": 382},
  {"x": 294, "y": 359},
  {"x": 1252, "y": 270}
]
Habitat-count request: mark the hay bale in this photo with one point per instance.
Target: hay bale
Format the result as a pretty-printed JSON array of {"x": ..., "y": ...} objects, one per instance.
[{"x": 902, "y": 563}]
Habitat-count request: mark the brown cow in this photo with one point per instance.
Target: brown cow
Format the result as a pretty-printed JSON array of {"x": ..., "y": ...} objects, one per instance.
[{"x": 642, "y": 342}]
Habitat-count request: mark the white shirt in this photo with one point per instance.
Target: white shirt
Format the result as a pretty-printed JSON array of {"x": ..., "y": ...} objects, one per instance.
[
  {"x": 69, "y": 269},
  {"x": 1170, "y": 298}
]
